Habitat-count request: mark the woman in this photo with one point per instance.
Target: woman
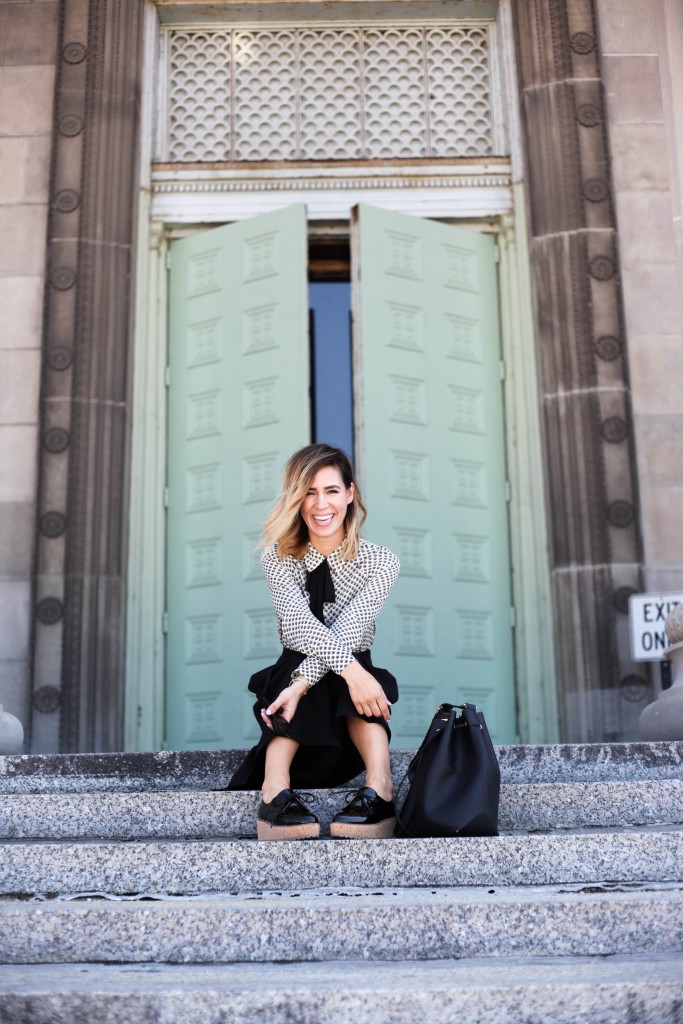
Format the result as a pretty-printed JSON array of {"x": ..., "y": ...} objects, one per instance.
[{"x": 323, "y": 707}]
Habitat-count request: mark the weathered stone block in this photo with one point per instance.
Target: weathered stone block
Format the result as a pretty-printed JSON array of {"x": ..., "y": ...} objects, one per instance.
[
  {"x": 24, "y": 227},
  {"x": 21, "y": 302},
  {"x": 651, "y": 299},
  {"x": 26, "y": 99},
  {"x": 656, "y": 366},
  {"x": 16, "y": 539},
  {"x": 633, "y": 88},
  {"x": 639, "y": 155},
  {"x": 18, "y": 463},
  {"x": 28, "y": 32},
  {"x": 627, "y": 26},
  {"x": 15, "y": 598},
  {"x": 646, "y": 232},
  {"x": 658, "y": 448},
  {"x": 19, "y": 385},
  {"x": 661, "y": 525}
]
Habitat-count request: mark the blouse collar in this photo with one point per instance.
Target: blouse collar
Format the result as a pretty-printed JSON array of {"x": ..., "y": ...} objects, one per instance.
[{"x": 313, "y": 558}]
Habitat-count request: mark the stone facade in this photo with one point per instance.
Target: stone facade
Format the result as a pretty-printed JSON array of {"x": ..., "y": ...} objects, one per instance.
[
  {"x": 603, "y": 155},
  {"x": 28, "y": 53}
]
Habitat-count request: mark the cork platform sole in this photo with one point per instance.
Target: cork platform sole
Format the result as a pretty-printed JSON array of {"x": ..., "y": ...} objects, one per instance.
[
  {"x": 345, "y": 830},
  {"x": 265, "y": 831}
]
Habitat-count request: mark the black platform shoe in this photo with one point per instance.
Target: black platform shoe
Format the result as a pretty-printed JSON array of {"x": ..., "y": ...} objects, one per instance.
[
  {"x": 366, "y": 816},
  {"x": 285, "y": 817}
]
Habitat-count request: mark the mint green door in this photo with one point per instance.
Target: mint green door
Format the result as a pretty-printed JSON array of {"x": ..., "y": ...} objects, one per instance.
[
  {"x": 238, "y": 407},
  {"x": 430, "y": 448}
]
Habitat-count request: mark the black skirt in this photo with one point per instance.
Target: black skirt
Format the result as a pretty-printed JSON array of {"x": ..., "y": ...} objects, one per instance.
[{"x": 326, "y": 756}]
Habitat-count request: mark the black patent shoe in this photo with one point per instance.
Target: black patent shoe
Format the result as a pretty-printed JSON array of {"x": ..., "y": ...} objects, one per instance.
[
  {"x": 366, "y": 816},
  {"x": 286, "y": 817}
]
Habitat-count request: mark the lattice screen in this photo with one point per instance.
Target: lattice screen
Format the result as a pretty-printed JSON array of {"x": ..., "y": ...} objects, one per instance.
[{"x": 336, "y": 93}]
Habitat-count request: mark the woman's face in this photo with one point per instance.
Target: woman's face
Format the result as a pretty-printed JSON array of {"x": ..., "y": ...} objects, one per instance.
[{"x": 324, "y": 509}]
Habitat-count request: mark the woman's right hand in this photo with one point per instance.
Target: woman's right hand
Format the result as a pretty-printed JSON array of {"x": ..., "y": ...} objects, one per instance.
[
  {"x": 368, "y": 697},
  {"x": 286, "y": 703}
]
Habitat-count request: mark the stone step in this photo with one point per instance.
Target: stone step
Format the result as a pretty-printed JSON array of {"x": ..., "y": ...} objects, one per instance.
[
  {"x": 562, "y": 990},
  {"x": 348, "y": 924},
  {"x": 523, "y": 807},
  {"x": 212, "y": 769},
  {"x": 225, "y": 865}
]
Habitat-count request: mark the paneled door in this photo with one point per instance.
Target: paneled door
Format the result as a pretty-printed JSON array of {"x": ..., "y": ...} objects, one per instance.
[
  {"x": 430, "y": 448},
  {"x": 238, "y": 407}
]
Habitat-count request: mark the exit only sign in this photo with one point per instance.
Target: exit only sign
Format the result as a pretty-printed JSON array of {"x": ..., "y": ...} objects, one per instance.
[{"x": 647, "y": 614}]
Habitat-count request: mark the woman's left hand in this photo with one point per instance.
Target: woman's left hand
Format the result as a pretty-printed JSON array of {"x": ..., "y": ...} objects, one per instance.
[{"x": 286, "y": 703}]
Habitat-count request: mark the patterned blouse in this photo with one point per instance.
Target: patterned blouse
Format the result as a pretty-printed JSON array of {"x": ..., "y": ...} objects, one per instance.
[{"x": 361, "y": 587}]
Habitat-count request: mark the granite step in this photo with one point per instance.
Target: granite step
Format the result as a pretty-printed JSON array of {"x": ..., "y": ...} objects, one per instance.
[
  {"x": 349, "y": 924},
  {"x": 562, "y": 990},
  {"x": 212, "y": 769},
  {"x": 523, "y": 807},
  {"x": 653, "y": 853}
]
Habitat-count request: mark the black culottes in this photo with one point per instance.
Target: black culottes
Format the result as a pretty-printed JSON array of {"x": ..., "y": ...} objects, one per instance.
[{"x": 326, "y": 756}]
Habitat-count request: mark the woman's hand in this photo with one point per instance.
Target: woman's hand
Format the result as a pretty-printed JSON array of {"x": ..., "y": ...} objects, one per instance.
[
  {"x": 367, "y": 695},
  {"x": 286, "y": 703}
]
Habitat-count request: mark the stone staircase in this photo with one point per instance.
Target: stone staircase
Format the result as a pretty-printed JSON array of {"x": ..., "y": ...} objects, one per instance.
[{"x": 131, "y": 892}]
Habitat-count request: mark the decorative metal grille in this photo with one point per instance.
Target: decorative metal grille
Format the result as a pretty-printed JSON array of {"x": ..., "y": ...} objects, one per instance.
[{"x": 334, "y": 93}]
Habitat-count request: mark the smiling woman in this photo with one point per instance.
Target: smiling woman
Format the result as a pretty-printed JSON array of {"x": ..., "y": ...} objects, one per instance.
[
  {"x": 324, "y": 509},
  {"x": 328, "y": 586}
]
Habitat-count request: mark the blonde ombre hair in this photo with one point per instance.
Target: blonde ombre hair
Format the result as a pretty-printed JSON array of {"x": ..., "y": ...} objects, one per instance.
[{"x": 285, "y": 526}]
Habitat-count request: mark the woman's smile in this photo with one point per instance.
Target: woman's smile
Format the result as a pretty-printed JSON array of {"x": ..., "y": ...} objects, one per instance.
[{"x": 324, "y": 509}]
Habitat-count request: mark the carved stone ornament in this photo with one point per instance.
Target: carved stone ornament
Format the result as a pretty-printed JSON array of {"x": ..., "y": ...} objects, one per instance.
[
  {"x": 63, "y": 278},
  {"x": 582, "y": 42},
  {"x": 49, "y": 610},
  {"x": 56, "y": 440},
  {"x": 59, "y": 357},
  {"x": 620, "y": 598},
  {"x": 601, "y": 268},
  {"x": 621, "y": 513},
  {"x": 70, "y": 125},
  {"x": 67, "y": 200},
  {"x": 52, "y": 524},
  {"x": 614, "y": 429},
  {"x": 608, "y": 348},
  {"x": 595, "y": 190},
  {"x": 588, "y": 115},
  {"x": 634, "y": 688},
  {"x": 74, "y": 53},
  {"x": 46, "y": 699}
]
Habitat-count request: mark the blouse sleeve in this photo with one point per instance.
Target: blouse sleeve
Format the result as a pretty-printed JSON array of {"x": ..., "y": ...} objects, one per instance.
[
  {"x": 352, "y": 623},
  {"x": 301, "y": 631}
]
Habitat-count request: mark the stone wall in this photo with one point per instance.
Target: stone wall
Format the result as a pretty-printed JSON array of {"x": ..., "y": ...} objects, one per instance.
[
  {"x": 642, "y": 58},
  {"x": 28, "y": 41}
]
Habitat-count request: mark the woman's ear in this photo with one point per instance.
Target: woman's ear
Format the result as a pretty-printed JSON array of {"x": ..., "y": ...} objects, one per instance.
[{"x": 352, "y": 493}]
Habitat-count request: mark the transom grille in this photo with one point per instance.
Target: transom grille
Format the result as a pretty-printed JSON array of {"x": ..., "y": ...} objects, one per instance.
[{"x": 328, "y": 93}]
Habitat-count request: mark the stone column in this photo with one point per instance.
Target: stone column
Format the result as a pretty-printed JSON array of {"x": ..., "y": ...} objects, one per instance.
[
  {"x": 79, "y": 584},
  {"x": 595, "y": 544}
]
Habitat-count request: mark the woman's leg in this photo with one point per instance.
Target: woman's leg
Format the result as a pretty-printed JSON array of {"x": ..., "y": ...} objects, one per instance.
[
  {"x": 279, "y": 756},
  {"x": 372, "y": 743}
]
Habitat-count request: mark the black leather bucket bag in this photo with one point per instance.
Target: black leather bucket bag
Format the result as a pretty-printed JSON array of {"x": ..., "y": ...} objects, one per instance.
[{"x": 454, "y": 779}]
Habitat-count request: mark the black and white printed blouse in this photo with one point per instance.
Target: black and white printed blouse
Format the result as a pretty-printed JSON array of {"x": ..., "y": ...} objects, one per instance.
[{"x": 360, "y": 586}]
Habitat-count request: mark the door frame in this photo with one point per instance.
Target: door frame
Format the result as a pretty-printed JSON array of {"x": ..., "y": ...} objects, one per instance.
[{"x": 533, "y": 635}]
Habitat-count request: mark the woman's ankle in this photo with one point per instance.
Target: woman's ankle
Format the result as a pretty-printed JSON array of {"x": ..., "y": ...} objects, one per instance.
[
  {"x": 383, "y": 785},
  {"x": 271, "y": 789}
]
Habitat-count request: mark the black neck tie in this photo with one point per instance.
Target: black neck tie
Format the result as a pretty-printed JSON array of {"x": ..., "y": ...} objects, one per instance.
[{"x": 320, "y": 586}]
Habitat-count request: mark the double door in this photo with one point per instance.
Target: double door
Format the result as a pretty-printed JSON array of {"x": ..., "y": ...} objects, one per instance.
[{"x": 429, "y": 450}]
